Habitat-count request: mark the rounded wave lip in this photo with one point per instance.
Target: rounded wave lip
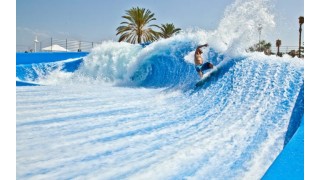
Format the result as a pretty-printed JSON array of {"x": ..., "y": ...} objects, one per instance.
[{"x": 34, "y": 73}]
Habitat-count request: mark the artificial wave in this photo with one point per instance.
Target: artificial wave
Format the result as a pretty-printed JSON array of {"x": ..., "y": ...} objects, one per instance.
[{"x": 129, "y": 111}]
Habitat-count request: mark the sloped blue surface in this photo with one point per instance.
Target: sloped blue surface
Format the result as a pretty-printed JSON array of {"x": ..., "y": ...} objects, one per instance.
[
  {"x": 42, "y": 57},
  {"x": 21, "y": 83},
  {"x": 262, "y": 94},
  {"x": 289, "y": 165}
]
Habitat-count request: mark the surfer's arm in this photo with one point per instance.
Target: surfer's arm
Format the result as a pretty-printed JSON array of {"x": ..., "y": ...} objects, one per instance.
[{"x": 205, "y": 45}]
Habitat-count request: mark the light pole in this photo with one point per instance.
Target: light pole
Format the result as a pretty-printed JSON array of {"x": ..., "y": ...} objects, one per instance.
[
  {"x": 278, "y": 44},
  {"x": 259, "y": 29},
  {"x": 35, "y": 44},
  {"x": 301, "y": 21}
]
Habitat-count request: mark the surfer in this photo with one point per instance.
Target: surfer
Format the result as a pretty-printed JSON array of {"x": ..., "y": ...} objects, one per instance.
[{"x": 198, "y": 61}]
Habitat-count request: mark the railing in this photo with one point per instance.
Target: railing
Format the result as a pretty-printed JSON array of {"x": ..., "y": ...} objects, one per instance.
[
  {"x": 58, "y": 45},
  {"x": 23, "y": 47},
  {"x": 284, "y": 49},
  {"x": 290, "y": 50},
  {"x": 67, "y": 45}
]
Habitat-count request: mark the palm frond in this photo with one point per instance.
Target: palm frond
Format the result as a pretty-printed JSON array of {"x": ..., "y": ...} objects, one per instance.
[
  {"x": 136, "y": 29},
  {"x": 168, "y": 30}
]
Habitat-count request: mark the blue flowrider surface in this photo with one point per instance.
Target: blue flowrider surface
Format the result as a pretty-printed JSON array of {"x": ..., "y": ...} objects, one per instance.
[
  {"x": 21, "y": 83},
  {"x": 290, "y": 163}
]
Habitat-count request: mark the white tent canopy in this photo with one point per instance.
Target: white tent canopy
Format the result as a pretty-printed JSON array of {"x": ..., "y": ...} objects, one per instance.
[{"x": 54, "y": 48}]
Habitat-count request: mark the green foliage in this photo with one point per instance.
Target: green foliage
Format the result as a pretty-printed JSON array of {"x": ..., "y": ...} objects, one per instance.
[
  {"x": 137, "y": 29},
  {"x": 168, "y": 30},
  {"x": 262, "y": 46}
]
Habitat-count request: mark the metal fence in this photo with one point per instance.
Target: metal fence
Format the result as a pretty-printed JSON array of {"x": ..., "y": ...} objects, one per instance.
[
  {"x": 57, "y": 45},
  {"x": 67, "y": 45},
  {"x": 290, "y": 50},
  {"x": 284, "y": 49}
]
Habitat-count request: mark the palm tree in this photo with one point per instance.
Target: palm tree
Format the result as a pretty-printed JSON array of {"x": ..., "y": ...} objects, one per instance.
[
  {"x": 168, "y": 30},
  {"x": 261, "y": 46},
  {"x": 136, "y": 29}
]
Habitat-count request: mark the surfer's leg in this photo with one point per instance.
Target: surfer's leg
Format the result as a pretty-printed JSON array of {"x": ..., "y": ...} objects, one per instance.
[{"x": 198, "y": 69}]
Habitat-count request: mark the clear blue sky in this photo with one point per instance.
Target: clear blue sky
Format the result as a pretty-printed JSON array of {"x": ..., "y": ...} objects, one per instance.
[{"x": 97, "y": 20}]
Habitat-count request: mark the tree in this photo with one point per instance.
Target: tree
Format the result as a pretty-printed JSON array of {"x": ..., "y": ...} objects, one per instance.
[
  {"x": 136, "y": 28},
  {"x": 262, "y": 46},
  {"x": 168, "y": 30}
]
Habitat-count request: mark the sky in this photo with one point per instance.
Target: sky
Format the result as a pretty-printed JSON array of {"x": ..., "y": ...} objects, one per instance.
[{"x": 97, "y": 20}]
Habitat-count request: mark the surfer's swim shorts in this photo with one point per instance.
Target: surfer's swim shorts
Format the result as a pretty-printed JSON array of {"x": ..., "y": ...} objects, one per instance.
[{"x": 202, "y": 67}]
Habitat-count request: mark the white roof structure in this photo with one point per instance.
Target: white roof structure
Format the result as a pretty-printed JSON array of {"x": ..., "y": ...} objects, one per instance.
[{"x": 54, "y": 48}]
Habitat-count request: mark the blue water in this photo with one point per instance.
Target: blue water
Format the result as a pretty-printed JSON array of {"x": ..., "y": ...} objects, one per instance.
[
  {"x": 133, "y": 112},
  {"x": 137, "y": 114}
]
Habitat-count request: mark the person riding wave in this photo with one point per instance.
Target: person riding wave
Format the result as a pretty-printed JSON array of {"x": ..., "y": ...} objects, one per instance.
[{"x": 198, "y": 61}]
